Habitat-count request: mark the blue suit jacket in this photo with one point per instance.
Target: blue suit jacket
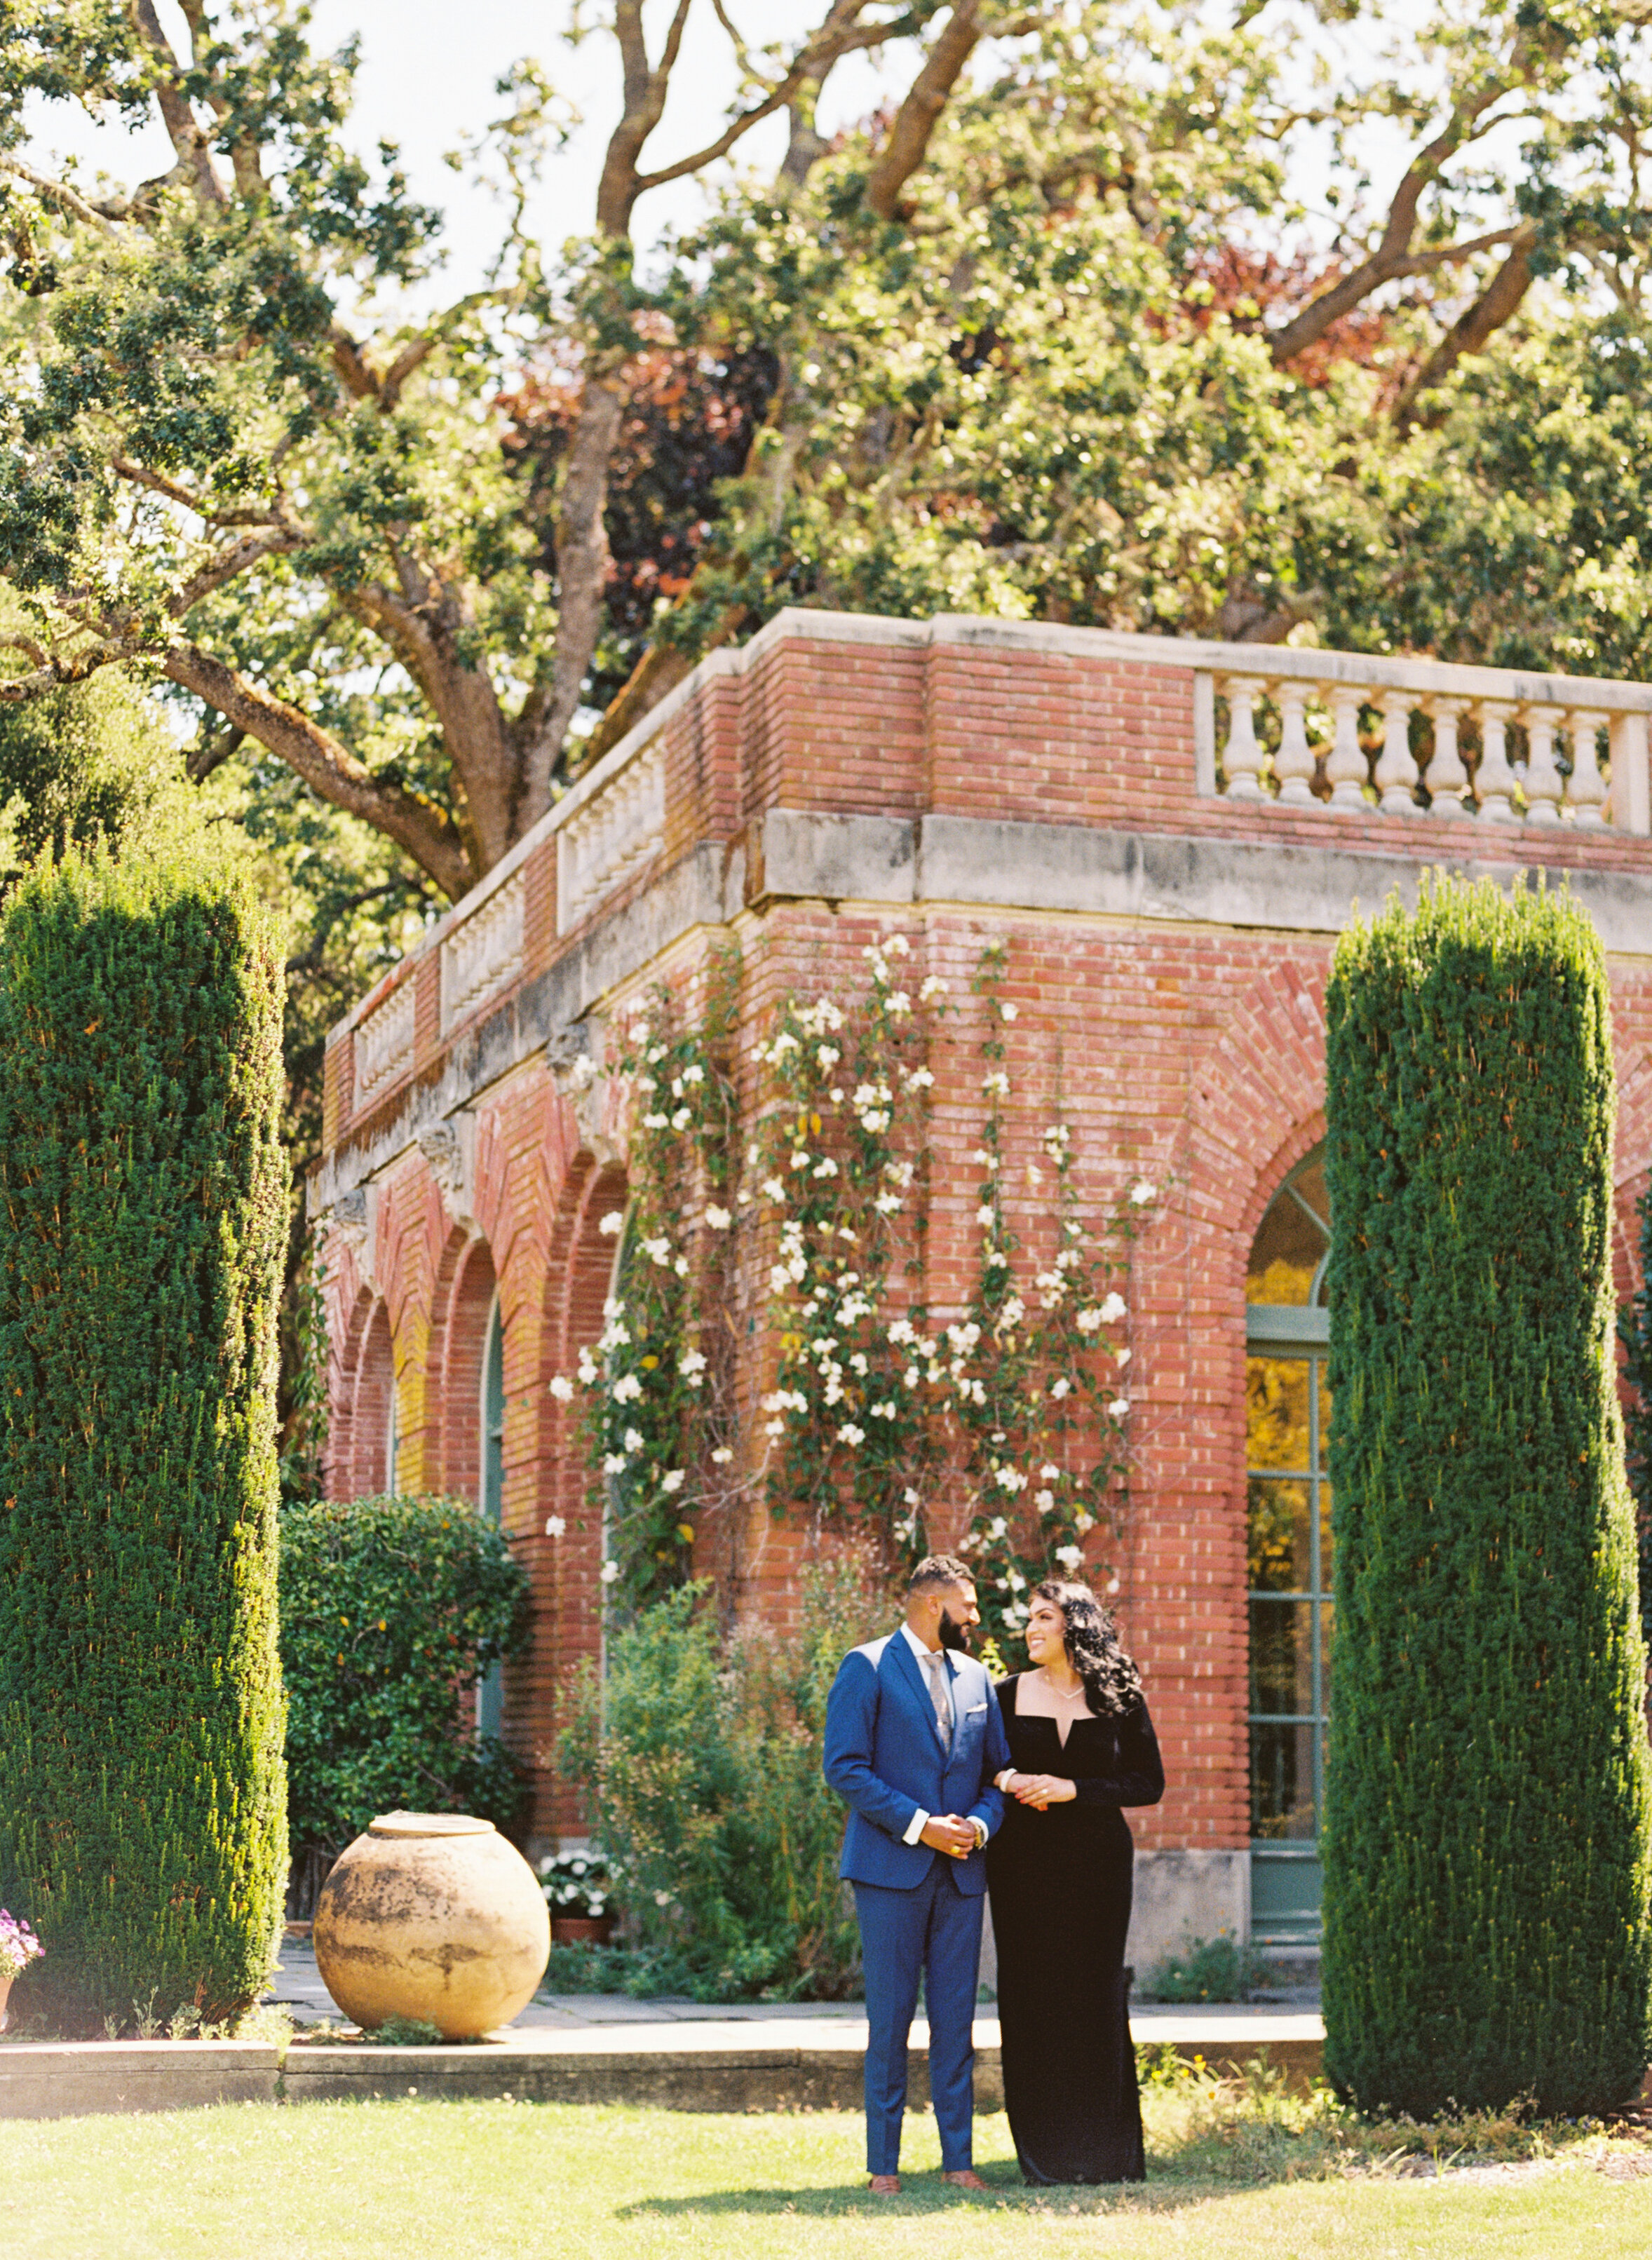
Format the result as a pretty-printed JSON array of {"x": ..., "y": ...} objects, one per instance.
[{"x": 885, "y": 1757}]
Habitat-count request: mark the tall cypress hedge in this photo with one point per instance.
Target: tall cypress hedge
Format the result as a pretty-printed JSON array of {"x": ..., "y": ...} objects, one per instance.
[
  {"x": 142, "y": 1215},
  {"x": 1485, "y": 1838}
]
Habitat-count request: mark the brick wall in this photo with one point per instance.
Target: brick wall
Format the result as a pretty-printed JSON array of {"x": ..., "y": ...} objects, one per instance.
[{"x": 1186, "y": 1049}]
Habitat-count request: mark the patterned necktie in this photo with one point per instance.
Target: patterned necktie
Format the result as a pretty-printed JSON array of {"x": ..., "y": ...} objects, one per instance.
[{"x": 935, "y": 1664}]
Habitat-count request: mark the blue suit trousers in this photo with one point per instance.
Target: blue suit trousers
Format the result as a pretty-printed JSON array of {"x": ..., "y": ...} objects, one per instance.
[{"x": 934, "y": 1930}]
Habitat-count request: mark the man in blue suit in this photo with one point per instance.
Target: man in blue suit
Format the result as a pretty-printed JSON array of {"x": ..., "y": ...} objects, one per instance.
[{"x": 914, "y": 1744}]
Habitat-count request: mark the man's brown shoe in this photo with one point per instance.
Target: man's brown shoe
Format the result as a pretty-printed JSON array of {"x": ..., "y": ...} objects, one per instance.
[
  {"x": 966, "y": 2178},
  {"x": 884, "y": 2186}
]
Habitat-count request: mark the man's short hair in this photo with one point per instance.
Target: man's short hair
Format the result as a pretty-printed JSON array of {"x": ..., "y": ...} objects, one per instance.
[{"x": 939, "y": 1569}]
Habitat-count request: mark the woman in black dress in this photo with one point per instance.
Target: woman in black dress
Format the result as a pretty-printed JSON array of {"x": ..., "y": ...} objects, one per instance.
[{"x": 1059, "y": 1873}]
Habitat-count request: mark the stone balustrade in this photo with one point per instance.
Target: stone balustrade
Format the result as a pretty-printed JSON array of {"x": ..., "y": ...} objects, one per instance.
[
  {"x": 483, "y": 953},
  {"x": 384, "y": 1043},
  {"x": 1348, "y": 735},
  {"x": 606, "y": 837}
]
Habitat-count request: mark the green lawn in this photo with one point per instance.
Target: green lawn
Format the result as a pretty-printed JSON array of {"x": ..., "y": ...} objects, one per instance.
[{"x": 1230, "y": 2176}]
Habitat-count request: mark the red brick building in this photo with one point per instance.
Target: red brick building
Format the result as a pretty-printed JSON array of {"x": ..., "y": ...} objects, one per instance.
[{"x": 1170, "y": 904}]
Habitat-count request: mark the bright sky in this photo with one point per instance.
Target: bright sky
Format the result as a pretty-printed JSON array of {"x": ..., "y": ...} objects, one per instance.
[{"x": 427, "y": 79}]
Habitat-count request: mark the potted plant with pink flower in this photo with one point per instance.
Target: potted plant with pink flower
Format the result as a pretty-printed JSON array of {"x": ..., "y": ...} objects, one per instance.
[{"x": 18, "y": 1946}]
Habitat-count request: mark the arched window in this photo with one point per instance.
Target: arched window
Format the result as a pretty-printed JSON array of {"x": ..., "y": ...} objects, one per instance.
[
  {"x": 1288, "y": 1534},
  {"x": 490, "y": 1694}
]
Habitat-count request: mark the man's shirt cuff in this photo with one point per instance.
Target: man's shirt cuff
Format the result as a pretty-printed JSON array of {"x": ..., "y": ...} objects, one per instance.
[{"x": 916, "y": 1826}]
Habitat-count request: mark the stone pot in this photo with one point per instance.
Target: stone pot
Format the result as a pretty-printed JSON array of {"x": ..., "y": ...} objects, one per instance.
[
  {"x": 582, "y": 1929},
  {"x": 433, "y": 1915},
  {"x": 6, "y": 1984}
]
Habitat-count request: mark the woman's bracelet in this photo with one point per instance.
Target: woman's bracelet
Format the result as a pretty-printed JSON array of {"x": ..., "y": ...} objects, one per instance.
[{"x": 1003, "y": 1779}]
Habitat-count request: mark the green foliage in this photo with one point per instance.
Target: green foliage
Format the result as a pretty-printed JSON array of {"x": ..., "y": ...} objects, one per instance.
[
  {"x": 142, "y": 1208},
  {"x": 656, "y": 1405},
  {"x": 86, "y": 763},
  {"x": 392, "y": 1610},
  {"x": 1205, "y": 1970},
  {"x": 406, "y": 2032},
  {"x": 699, "y": 1757},
  {"x": 1486, "y": 1822}
]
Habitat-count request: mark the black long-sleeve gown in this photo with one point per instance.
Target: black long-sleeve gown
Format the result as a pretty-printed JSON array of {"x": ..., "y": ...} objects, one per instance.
[{"x": 1060, "y": 1881}]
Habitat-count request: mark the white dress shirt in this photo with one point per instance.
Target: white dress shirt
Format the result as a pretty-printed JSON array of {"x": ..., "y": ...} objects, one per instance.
[{"x": 920, "y": 1819}]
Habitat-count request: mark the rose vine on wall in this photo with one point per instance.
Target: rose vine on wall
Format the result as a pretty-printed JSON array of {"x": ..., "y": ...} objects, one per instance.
[{"x": 1016, "y": 1410}]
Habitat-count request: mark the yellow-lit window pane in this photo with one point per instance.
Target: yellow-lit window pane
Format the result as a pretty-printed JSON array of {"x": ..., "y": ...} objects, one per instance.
[
  {"x": 1276, "y": 1413},
  {"x": 1278, "y": 1523}
]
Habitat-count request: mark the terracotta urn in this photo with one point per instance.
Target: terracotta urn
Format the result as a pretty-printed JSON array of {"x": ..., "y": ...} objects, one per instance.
[
  {"x": 433, "y": 1915},
  {"x": 582, "y": 1929},
  {"x": 6, "y": 1984}
]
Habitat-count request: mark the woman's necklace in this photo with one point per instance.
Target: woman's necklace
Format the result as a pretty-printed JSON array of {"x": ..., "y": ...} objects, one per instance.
[{"x": 1061, "y": 1695}]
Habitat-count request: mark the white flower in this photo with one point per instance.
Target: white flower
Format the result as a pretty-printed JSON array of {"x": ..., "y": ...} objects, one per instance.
[
  {"x": 1061, "y": 1387},
  {"x": 637, "y": 1034},
  {"x": 613, "y": 1222},
  {"x": 691, "y": 1364},
  {"x": 1084, "y": 1522},
  {"x": 1141, "y": 1192},
  {"x": 1113, "y": 1309},
  {"x": 1013, "y": 1311},
  {"x": 826, "y": 1167},
  {"x": 1044, "y": 1500},
  {"x": 934, "y": 986},
  {"x": 662, "y": 1899},
  {"x": 655, "y": 1054},
  {"x": 615, "y": 1464},
  {"x": 633, "y": 1440},
  {"x": 875, "y": 1122},
  {"x": 910, "y": 1377},
  {"x": 884, "y": 1411},
  {"x": 1120, "y": 1406},
  {"x": 899, "y": 1003},
  {"x": 718, "y": 1218},
  {"x": 609, "y": 1572},
  {"x": 681, "y": 1267},
  {"x": 774, "y": 1428},
  {"x": 561, "y": 1388},
  {"x": 1072, "y": 1556},
  {"x": 655, "y": 1122},
  {"x": 672, "y": 1480},
  {"x": 848, "y": 1434},
  {"x": 1089, "y": 1322},
  {"x": 1123, "y": 1356},
  {"x": 996, "y": 1085},
  {"x": 588, "y": 1372},
  {"x": 681, "y": 1118},
  {"x": 774, "y": 1190},
  {"x": 1008, "y": 1011},
  {"x": 828, "y": 1054},
  {"x": 555, "y": 1526},
  {"x": 1050, "y": 1472},
  {"x": 1112, "y": 1585},
  {"x": 784, "y": 1042},
  {"x": 721, "y": 1456},
  {"x": 1012, "y": 1479},
  {"x": 888, "y": 1205},
  {"x": 657, "y": 1251},
  {"x": 628, "y": 1389},
  {"x": 694, "y": 1074},
  {"x": 986, "y": 1214},
  {"x": 896, "y": 944},
  {"x": 995, "y": 1260},
  {"x": 857, "y": 1363},
  {"x": 800, "y": 1160},
  {"x": 1016, "y": 1582},
  {"x": 919, "y": 1078}
]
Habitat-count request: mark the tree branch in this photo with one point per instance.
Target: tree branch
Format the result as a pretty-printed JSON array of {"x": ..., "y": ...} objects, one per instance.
[
  {"x": 1393, "y": 256},
  {"x": 229, "y": 564},
  {"x": 76, "y": 206},
  {"x": 1496, "y": 304},
  {"x": 427, "y": 832},
  {"x": 185, "y": 135},
  {"x": 926, "y": 97}
]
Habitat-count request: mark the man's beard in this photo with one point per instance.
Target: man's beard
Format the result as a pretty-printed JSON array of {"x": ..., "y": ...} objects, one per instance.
[{"x": 952, "y": 1634}]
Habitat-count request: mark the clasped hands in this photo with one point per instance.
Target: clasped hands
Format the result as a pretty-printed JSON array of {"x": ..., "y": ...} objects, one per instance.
[
  {"x": 1039, "y": 1789},
  {"x": 947, "y": 1834}
]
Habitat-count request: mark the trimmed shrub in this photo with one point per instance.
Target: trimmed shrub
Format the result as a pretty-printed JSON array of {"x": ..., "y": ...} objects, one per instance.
[
  {"x": 699, "y": 1756},
  {"x": 1485, "y": 1835},
  {"x": 143, "y": 1193},
  {"x": 392, "y": 1611}
]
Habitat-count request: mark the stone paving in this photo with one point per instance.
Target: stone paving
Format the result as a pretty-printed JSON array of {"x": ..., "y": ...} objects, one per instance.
[{"x": 298, "y": 1988}]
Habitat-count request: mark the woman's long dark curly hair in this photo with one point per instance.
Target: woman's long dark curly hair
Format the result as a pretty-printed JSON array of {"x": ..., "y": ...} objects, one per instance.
[{"x": 1112, "y": 1684}]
